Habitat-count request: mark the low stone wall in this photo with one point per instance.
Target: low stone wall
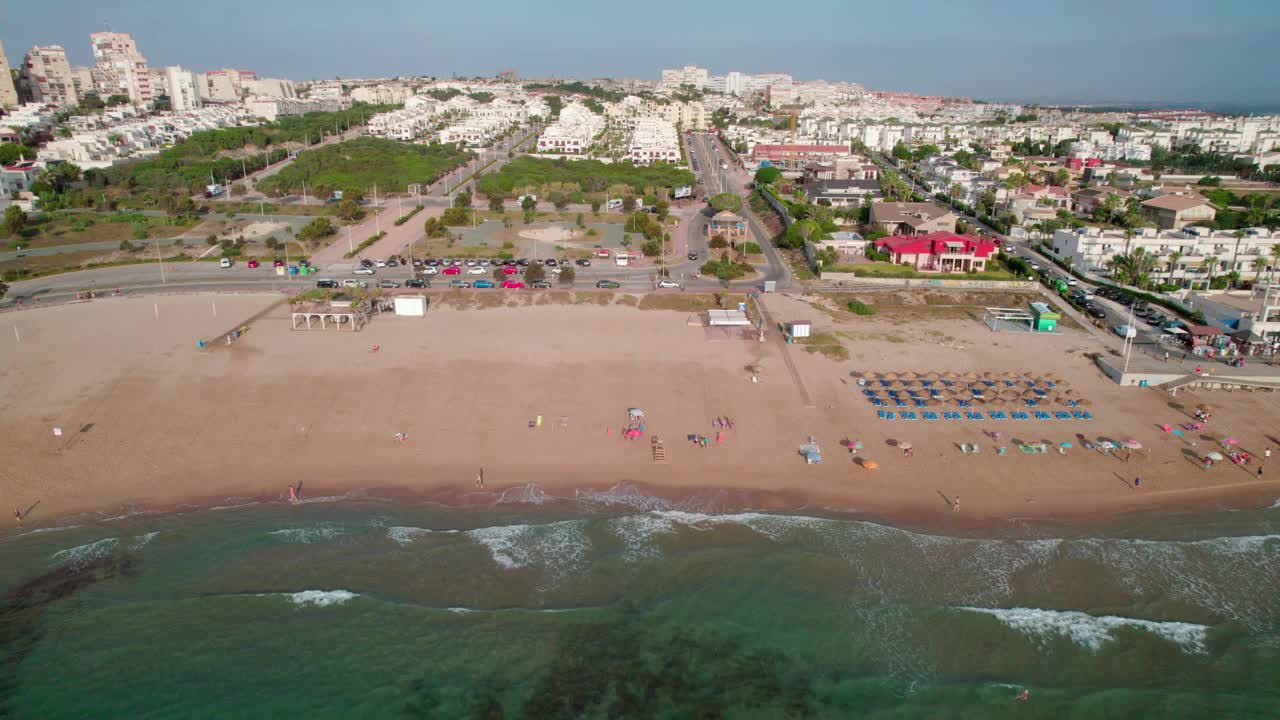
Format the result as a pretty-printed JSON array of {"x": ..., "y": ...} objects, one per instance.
[{"x": 853, "y": 279}]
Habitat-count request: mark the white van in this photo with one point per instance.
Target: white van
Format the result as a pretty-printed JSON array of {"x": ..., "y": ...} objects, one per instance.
[
  {"x": 614, "y": 203},
  {"x": 224, "y": 262}
]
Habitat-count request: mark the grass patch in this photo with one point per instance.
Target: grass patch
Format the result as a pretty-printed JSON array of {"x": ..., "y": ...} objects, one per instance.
[
  {"x": 628, "y": 300},
  {"x": 826, "y": 344},
  {"x": 688, "y": 302},
  {"x": 857, "y": 307},
  {"x": 356, "y": 165},
  {"x": 889, "y": 270}
]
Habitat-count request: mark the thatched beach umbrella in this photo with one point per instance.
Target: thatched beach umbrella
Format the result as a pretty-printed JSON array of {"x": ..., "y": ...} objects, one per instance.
[
  {"x": 971, "y": 375},
  {"x": 1010, "y": 374},
  {"x": 889, "y": 376},
  {"x": 996, "y": 401},
  {"x": 950, "y": 375},
  {"x": 867, "y": 375},
  {"x": 1085, "y": 402},
  {"x": 989, "y": 375},
  {"x": 908, "y": 375},
  {"x": 1029, "y": 393},
  {"x": 931, "y": 375}
]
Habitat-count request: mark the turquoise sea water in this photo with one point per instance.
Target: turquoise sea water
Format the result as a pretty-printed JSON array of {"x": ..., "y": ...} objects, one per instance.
[{"x": 620, "y": 606}]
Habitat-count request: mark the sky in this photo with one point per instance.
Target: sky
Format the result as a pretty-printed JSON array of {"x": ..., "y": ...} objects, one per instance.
[{"x": 1144, "y": 51}]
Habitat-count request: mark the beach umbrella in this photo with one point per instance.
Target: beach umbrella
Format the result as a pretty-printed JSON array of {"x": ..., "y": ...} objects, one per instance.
[
  {"x": 997, "y": 400},
  {"x": 1051, "y": 376},
  {"x": 1177, "y": 431},
  {"x": 870, "y": 464},
  {"x": 1029, "y": 393},
  {"x": 1132, "y": 444},
  {"x": 868, "y": 375},
  {"x": 904, "y": 446},
  {"x": 1065, "y": 445},
  {"x": 1071, "y": 393},
  {"x": 989, "y": 375},
  {"x": 889, "y": 376},
  {"x": 1010, "y": 374},
  {"x": 971, "y": 376},
  {"x": 1085, "y": 402},
  {"x": 950, "y": 375},
  {"x": 1205, "y": 407},
  {"x": 1230, "y": 441},
  {"x": 931, "y": 375},
  {"x": 908, "y": 375},
  {"x": 1215, "y": 456}
]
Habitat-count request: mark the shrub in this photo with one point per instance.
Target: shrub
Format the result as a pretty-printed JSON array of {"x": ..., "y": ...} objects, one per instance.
[
  {"x": 857, "y": 307},
  {"x": 139, "y": 233},
  {"x": 567, "y": 275},
  {"x": 751, "y": 248},
  {"x": 718, "y": 243},
  {"x": 651, "y": 248}
]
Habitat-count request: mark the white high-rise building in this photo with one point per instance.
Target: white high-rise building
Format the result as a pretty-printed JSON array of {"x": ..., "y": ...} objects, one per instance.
[
  {"x": 8, "y": 95},
  {"x": 46, "y": 77},
  {"x": 121, "y": 68},
  {"x": 687, "y": 75},
  {"x": 181, "y": 85}
]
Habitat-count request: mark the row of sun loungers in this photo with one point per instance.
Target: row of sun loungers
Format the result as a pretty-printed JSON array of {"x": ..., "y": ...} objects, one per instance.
[{"x": 989, "y": 415}]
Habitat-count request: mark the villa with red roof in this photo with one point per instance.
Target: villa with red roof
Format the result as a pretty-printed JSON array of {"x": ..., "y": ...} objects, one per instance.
[{"x": 939, "y": 251}]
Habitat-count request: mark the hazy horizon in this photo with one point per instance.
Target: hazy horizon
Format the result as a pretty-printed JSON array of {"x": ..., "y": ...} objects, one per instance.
[{"x": 1103, "y": 53}]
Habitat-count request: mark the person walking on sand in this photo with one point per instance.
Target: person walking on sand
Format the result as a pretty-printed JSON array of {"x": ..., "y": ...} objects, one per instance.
[
  {"x": 293, "y": 494},
  {"x": 17, "y": 512},
  {"x": 955, "y": 504},
  {"x": 480, "y": 478}
]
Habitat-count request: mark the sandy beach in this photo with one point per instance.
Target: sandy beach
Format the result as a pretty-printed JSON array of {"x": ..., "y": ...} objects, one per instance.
[{"x": 150, "y": 420}]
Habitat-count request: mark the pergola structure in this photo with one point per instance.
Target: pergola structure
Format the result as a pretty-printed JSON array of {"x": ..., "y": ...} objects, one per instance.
[
  {"x": 1009, "y": 319},
  {"x": 332, "y": 315}
]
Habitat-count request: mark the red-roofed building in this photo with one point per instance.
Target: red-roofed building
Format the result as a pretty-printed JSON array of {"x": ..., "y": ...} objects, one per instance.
[
  {"x": 939, "y": 251},
  {"x": 792, "y": 158}
]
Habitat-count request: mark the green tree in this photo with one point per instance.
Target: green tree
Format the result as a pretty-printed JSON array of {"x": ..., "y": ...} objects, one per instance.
[
  {"x": 495, "y": 203},
  {"x": 456, "y": 216},
  {"x": 663, "y": 208},
  {"x": 462, "y": 199},
  {"x": 1062, "y": 177},
  {"x": 901, "y": 151},
  {"x": 348, "y": 209},
  {"x": 529, "y": 203},
  {"x": 1174, "y": 257},
  {"x": 580, "y": 221},
  {"x": 15, "y": 221},
  {"x": 768, "y": 175},
  {"x": 316, "y": 230},
  {"x": 726, "y": 201},
  {"x": 630, "y": 203},
  {"x": 433, "y": 228},
  {"x": 595, "y": 206},
  {"x": 559, "y": 200},
  {"x": 567, "y": 275},
  {"x": 12, "y": 152},
  {"x": 535, "y": 272},
  {"x": 60, "y": 176},
  {"x": 1211, "y": 264}
]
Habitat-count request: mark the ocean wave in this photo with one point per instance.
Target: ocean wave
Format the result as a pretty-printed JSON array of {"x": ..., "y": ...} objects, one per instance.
[
  {"x": 309, "y": 535},
  {"x": 1093, "y": 631},
  {"x": 622, "y": 495},
  {"x": 527, "y": 494},
  {"x": 405, "y": 536},
  {"x": 87, "y": 552},
  {"x": 558, "y": 547},
  {"x": 43, "y": 530},
  {"x": 142, "y": 541},
  {"x": 321, "y": 598}
]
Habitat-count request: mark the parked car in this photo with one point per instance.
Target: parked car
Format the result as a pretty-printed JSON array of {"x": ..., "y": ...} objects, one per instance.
[
  {"x": 417, "y": 262},
  {"x": 550, "y": 261},
  {"x": 363, "y": 271},
  {"x": 1125, "y": 331},
  {"x": 583, "y": 262},
  {"x": 428, "y": 270},
  {"x": 392, "y": 262},
  {"x": 452, "y": 270},
  {"x": 278, "y": 263},
  {"x": 459, "y": 284},
  {"x": 416, "y": 283},
  {"x": 388, "y": 284},
  {"x": 330, "y": 284},
  {"x": 476, "y": 271},
  {"x": 352, "y": 283},
  {"x": 510, "y": 270},
  {"x": 483, "y": 284},
  {"x": 366, "y": 262},
  {"x": 668, "y": 284},
  {"x": 693, "y": 256},
  {"x": 252, "y": 263},
  {"x": 608, "y": 284},
  {"x": 507, "y": 263},
  {"x": 540, "y": 284},
  {"x": 380, "y": 263},
  {"x": 523, "y": 262},
  {"x": 471, "y": 262},
  {"x": 512, "y": 284},
  {"x": 602, "y": 253},
  {"x": 1096, "y": 311},
  {"x": 224, "y": 263},
  {"x": 432, "y": 262}
]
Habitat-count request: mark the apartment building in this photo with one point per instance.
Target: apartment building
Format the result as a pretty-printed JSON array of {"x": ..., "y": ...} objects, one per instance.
[
  {"x": 1091, "y": 249},
  {"x": 1175, "y": 210},
  {"x": 8, "y": 93},
  {"x": 279, "y": 88},
  {"x": 793, "y": 158},
  {"x": 653, "y": 140},
  {"x": 687, "y": 75},
  {"x": 381, "y": 94},
  {"x": 180, "y": 86},
  {"x": 270, "y": 109},
  {"x": 45, "y": 77},
  {"x": 411, "y": 122},
  {"x": 573, "y": 133},
  {"x": 475, "y": 131},
  {"x": 121, "y": 68}
]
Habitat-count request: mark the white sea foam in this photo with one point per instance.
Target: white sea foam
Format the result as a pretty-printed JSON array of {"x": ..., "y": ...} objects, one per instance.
[
  {"x": 638, "y": 534},
  {"x": 406, "y": 536},
  {"x": 321, "y": 598},
  {"x": 558, "y": 548},
  {"x": 87, "y": 552},
  {"x": 460, "y": 610},
  {"x": 308, "y": 535},
  {"x": 43, "y": 530},
  {"x": 528, "y": 494},
  {"x": 142, "y": 541},
  {"x": 622, "y": 495},
  {"x": 1092, "y": 631}
]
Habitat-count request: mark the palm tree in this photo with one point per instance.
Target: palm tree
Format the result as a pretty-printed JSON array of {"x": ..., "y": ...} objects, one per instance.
[
  {"x": 955, "y": 191},
  {"x": 1174, "y": 257},
  {"x": 1210, "y": 262},
  {"x": 1275, "y": 259},
  {"x": 1235, "y": 258}
]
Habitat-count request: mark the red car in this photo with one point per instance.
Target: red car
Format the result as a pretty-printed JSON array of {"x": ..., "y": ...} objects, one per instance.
[
  {"x": 602, "y": 253},
  {"x": 253, "y": 263},
  {"x": 278, "y": 263},
  {"x": 510, "y": 270},
  {"x": 452, "y": 270},
  {"x": 512, "y": 284}
]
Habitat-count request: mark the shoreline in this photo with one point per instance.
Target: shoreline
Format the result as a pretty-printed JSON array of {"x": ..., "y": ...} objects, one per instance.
[{"x": 636, "y": 497}]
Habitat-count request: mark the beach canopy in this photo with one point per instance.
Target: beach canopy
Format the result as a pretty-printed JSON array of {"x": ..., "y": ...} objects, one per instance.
[
  {"x": 1229, "y": 441},
  {"x": 1204, "y": 406},
  {"x": 1132, "y": 444},
  {"x": 1065, "y": 445},
  {"x": 635, "y": 412},
  {"x": 1214, "y": 455},
  {"x": 870, "y": 464},
  {"x": 904, "y": 445}
]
